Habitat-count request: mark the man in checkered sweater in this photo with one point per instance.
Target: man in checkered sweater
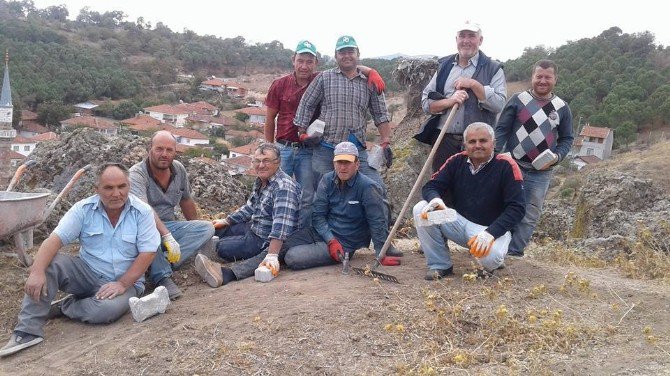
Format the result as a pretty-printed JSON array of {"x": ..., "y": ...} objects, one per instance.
[{"x": 532, "y": 122}]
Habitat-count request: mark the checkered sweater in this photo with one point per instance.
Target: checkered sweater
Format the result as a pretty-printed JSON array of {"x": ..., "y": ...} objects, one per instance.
[{"x": 528, "y": 126}]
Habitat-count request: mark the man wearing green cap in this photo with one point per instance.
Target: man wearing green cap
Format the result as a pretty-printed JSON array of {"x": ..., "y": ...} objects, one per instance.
[
  {"x": 282, "y": 103},
  {"x": 344, "y": 98}
]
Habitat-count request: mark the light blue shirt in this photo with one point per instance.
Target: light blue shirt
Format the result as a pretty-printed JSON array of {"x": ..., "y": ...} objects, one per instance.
[{"x": 110, "y": 251}]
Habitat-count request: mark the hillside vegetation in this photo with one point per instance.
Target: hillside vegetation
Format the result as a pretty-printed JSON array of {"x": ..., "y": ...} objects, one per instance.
[{"x": 616, "y": 79}]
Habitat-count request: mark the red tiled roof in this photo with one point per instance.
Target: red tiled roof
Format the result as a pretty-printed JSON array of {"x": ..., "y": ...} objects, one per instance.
[
  {"x": 181, "y": 148},
  {"x": 203, "y": 105},
  {"x": 89, "y": 121},
  {"x": 214, "y": 82},
  {"x": 188, "y": 133},
  {"x": 589, "y": 159},
  {"x": 167, "y": 109},
  {"x": 253, "y": 110},
  {"x": 142, "y": 123},
  {"x": 598, "y": 132},
  {"x": 8, "y": 155},
  {"x": 32, "y": 126},
  {"x": 48, "y": 136},
  {"x": 247, "y": 149},
  {"x": 22, "y": 140}
]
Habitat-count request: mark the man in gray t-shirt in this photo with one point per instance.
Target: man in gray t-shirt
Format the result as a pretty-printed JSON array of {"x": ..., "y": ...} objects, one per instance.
[{"x": 162, "y": 182}]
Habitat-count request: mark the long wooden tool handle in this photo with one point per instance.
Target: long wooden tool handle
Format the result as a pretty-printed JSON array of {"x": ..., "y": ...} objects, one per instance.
[{"x": 417, "y": 184}]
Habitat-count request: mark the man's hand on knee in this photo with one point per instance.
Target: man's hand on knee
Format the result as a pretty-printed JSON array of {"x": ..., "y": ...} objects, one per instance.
[{"x": 110, "y": 290}]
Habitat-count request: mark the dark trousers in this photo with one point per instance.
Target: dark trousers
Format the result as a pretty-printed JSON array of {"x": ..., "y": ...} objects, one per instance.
[
  {"x": 238, "y": 242},
  {"x": 451, "y": 144}
]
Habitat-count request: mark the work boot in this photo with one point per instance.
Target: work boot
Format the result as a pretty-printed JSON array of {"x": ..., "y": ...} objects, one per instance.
[
  {"x": 173, "y": 290},
  {"x": 209, "y": 270},
  {"x": 19, "y": 341},
  {"x": 435, "y": 274}
]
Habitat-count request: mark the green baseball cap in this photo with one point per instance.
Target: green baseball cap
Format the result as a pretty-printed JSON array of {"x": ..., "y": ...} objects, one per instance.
[
  {"x": 305, "y": 46},
  {"x": 345, "y": 41}
]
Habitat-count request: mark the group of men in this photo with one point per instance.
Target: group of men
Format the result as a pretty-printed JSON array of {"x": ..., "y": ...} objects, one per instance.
[{"x": 315, "y": 201}]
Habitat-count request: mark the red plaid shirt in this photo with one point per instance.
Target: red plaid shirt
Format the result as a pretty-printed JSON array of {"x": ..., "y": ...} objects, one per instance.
[{"x": 284, "y": 96}]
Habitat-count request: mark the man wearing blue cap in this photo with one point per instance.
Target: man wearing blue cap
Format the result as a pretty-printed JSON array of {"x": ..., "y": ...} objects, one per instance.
[
  {"x": 344, "y": 98},
  {"x": 282, "y": 103}
]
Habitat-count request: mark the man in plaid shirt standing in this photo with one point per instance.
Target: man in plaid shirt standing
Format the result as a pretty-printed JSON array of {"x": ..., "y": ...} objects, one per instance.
[
  {"x": 344, "y": 97},
  {"x": 258, "y": 229}
]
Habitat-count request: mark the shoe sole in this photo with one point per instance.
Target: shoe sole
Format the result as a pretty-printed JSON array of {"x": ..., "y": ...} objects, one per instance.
[
  {"x": 203, "y": 268},
  {"x": 17, "y": 348}
]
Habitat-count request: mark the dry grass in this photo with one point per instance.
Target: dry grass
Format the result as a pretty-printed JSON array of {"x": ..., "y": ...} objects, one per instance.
[{"x": 650, "y": 257}]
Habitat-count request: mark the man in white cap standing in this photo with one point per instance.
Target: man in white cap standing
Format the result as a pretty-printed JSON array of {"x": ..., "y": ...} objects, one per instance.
[{"x": 468, "y": 78}]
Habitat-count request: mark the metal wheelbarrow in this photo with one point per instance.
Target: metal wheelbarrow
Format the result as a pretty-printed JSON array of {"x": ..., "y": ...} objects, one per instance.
[{"x": 21, "y": 212}]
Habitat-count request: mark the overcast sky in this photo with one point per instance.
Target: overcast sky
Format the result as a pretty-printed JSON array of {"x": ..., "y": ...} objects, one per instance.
[{"x": 413, "y": 28}]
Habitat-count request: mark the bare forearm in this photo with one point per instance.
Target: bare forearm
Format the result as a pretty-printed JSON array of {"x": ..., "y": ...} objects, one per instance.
[
  {"x": 46, "y": 253},
  {"x": 188, "y": 209},
  {"x": 275, "y": 246},
  {"x": 385, "y": 132},
  {"x": 160, "y": 226},
  {"x": 270, "y": 125},
  {"x": 137, "y": 269}
]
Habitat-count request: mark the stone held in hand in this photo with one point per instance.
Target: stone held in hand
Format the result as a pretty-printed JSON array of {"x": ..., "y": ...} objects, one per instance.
[
  {"x": 316, "y": 128},
  {"x": 263, "y": 274},
  {"x": 437, "y": 217},
  {"x": 150, "y": 305}
]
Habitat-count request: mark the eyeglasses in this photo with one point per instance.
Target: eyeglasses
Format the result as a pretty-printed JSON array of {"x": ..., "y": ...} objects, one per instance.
[{"x": 257, "y": 162}]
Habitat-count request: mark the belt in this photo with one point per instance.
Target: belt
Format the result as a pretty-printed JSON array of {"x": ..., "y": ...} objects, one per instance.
[{"x": 291, "y": 143}]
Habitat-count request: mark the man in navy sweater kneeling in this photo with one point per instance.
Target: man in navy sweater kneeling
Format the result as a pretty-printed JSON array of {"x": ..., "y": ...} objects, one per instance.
[{"x": 487, "y": 193}]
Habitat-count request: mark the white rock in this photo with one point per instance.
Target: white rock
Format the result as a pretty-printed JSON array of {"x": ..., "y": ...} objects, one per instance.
[
  {"x": 150, "y": 305},
  {"x": 316, "y": 128},
  {"x": 263, "y": 274},
  {"x": 437, "y": 217}
]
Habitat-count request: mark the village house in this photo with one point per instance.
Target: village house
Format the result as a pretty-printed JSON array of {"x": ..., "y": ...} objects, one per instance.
[
  {"x": 177, "y": 114},
  {"x": 240, "y": 165},
  {"x": 230, "y": 88},
  {"x": 85, "y": 108},
  {"x": 256, "y": 114},
  {"x": 141, "y": 124},
  {"x": 593, "y": 145},
  {"x": 247, "y": 149},
  {"x": 101, "y": 125},
  {"x": 26, "y": 145}
]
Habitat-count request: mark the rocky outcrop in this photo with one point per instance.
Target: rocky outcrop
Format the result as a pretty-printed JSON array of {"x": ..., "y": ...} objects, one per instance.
[
  {"x": 610, "y": 206},
  {"x": 214, "y": 190}
]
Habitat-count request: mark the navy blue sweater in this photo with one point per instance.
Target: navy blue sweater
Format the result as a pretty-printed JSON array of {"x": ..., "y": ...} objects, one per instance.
[{"x": 493, "y": 197}]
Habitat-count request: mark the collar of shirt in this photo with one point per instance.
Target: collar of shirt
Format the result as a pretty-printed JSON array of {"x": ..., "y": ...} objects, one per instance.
[
  {"x": 358, "y": 71},
  {"x": 349, "y": 182},
  {"x": 130, "y": 202},
  {"x": 474, "y": 170},
  {"x": 473, "y": 60}
]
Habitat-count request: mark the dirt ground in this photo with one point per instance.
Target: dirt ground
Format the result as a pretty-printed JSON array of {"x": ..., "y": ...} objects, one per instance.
[{"x": 530, "y": 318}]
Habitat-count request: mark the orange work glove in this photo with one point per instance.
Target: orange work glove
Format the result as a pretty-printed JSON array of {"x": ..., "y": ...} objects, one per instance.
[
  {"x": 390, "y": 261},
  {"x": 336, "y": 251},
  {"x": 480, "y": 244},
  {"x": 375, "y": 81}
]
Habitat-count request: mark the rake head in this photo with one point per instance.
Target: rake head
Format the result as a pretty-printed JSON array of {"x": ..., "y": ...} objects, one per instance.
[{"x": 374, "y": 274}]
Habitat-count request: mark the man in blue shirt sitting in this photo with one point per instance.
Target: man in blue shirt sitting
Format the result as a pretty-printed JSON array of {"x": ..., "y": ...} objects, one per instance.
[
  {"x": 118, "y": 241},
  {"x": 347, "y": 213}
]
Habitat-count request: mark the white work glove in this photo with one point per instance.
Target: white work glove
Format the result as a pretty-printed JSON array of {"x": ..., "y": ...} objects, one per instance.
[
  {"x": 480, "y": 244},
  {"x": 434, "y": 204},
  {"x": 271, "y": 261},
  {"x": 172, "y": 247}
]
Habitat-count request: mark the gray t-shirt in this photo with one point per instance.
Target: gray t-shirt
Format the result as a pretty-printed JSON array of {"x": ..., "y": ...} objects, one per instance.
[{"x": 143, "y": 185}]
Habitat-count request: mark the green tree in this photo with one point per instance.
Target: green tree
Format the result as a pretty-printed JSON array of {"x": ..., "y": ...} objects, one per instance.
[{"x": 52, "y": 113}]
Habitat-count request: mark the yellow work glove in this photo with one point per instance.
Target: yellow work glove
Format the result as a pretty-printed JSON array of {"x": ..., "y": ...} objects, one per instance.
[
  {"x": 480, "y": 244},
  {"x": 172, "y": 247}
]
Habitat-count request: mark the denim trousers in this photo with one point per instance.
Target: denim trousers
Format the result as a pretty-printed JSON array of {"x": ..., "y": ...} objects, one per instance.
[
  {"x": 434, "y": 238},
  {"x": 238, "y": 242},
  {"x": 191, "y": 235},
  {"x": 297, "y": 162},
  {"x": 71, "y": 275},
  {"x": 535, "y": 187},
  {"x": 303, "y": 249}
]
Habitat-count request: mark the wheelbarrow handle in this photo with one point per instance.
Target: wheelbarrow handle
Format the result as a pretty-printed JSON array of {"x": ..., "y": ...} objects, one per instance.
[
  {"x": 19, "y": 172},
  {"x": 67, "y": 188}
]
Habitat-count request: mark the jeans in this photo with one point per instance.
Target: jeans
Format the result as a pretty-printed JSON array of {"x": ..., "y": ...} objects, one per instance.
[
  {"x": 535, "y": 187},
  {"x": 191, "y": 235},
  {"x": 303, "y": 249},
  {"x": 71, "y": 275},
  {"x": 433, "y": 241},
  {"x": 297, "y": 162},
  {"x": 237, "y": 242}
]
